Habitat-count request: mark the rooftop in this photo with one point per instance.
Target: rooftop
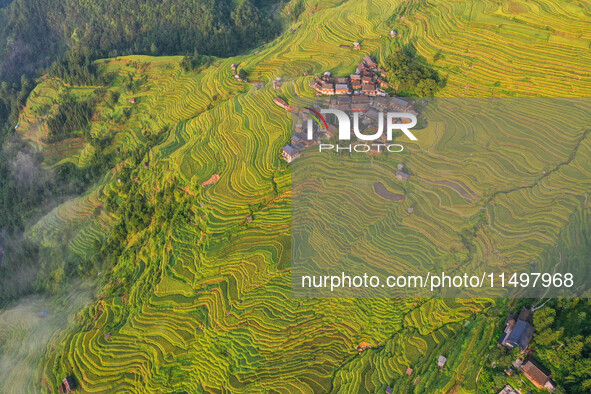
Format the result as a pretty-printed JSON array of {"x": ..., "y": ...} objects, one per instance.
[
  {"x": 290, "y": 150},
  {"x": 535, "y": 372}
]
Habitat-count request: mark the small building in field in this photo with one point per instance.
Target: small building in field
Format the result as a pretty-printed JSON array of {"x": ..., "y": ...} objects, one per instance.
[
  {"x": 277, "y": 83},
  {"x": 402, "y": 176},
  {"x": 67, "y": 385},
  {"x": 282, "y": 103},
  {"x": 441, "y": 360},
  {"x": 342, "y": 88},
  {"x": 290, "y": 153},
  {"x": 131, "y": 100},
  {"x": 212, "y": 180},
  {"x": 356, "y": 45},
  {"x": 234, "y": 67},
  {"x": 389, "y": 390},
  {"x": 409, "y": 371},
  {"x": 538, "y": 375},
  {"x": 326, "y": 76},
  {"x": 249, "y": 219},
  {"x": 393, "y": 33}
]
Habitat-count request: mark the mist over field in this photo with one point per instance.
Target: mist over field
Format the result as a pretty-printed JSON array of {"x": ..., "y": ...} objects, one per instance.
[{"x": 28, "y": 328}]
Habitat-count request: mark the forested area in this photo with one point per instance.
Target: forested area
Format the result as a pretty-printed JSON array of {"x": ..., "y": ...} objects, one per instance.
[
  {"x": 33, "y": 34},
  {"x": 562, "y": 342}
]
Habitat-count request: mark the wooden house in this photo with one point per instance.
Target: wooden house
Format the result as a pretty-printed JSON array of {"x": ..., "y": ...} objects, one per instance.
[
  {"x": 290, "y": 153},
  {"x": 369, "y": 89},
  {"x": 538, "y": 375},
  {"x": 403, "y": 176},
  {"x": 371, "y": 63},
  {"x": 328, "y": 89},
  {"x": 342, "y": 88},
  {"x": 282, "y": 103},
  {"x": 67, "y": 385}
]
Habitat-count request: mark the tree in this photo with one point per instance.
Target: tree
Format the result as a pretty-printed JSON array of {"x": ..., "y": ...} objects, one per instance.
[
  {"x": 544, "y": 318},
  {"x": 410, "y": 75},
  {"x": 298, "y": 9}
]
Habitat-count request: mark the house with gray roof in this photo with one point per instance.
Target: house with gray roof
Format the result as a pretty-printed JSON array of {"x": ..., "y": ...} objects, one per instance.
[{"x": 518, "y": 331}]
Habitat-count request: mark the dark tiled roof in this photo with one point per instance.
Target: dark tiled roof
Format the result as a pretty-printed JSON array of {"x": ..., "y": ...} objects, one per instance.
[
  {"x": 520, "y": 335},
  {"x": 290, "y": 149}
]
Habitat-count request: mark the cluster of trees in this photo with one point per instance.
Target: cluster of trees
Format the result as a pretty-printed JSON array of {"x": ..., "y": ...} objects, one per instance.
[
  {"x": 562, "y": 343},
  {"x": 137, "y": 209},
  {"x": 13, "y": 97},
  {"x": 71, "y": 116},
  {"x": 190, "y": 63},
  {"x": 410, "y": 75},
  {"x": 77, "y": 67},
  {"x": 298, "y": 8},
  {"x": 33, "y": 34}
]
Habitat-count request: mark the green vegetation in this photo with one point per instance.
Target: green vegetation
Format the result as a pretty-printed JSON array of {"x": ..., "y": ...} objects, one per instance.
[
  {"x": 410, "y": 76},
  {"x": 191, "y": 63},
  {"x": 32, "y": 35},
  {"x": 562, "y": 342},
  {"x": 71, "y": 116},
  {"x": 186, "y": 278},
  {"x": 77, "y": 68}
]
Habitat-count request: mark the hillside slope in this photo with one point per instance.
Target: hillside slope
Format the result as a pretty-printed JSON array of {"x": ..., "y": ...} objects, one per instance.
[{"x": 203, "y": 303}]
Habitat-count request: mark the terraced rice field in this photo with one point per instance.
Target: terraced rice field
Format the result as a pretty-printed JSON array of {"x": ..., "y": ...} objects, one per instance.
[
  {"x": 510, "y": 171},
  {"x": 210, "y": 308}
]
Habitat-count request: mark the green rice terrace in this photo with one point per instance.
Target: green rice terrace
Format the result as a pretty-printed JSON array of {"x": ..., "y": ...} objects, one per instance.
[{"x": 199, "y": 298}]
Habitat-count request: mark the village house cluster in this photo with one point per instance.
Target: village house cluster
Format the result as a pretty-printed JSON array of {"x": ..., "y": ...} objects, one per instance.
[
  {"x": 518, "y": 333},
  {"x": 368, "y": 80},
  {"x": 369, "y": 109}
]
